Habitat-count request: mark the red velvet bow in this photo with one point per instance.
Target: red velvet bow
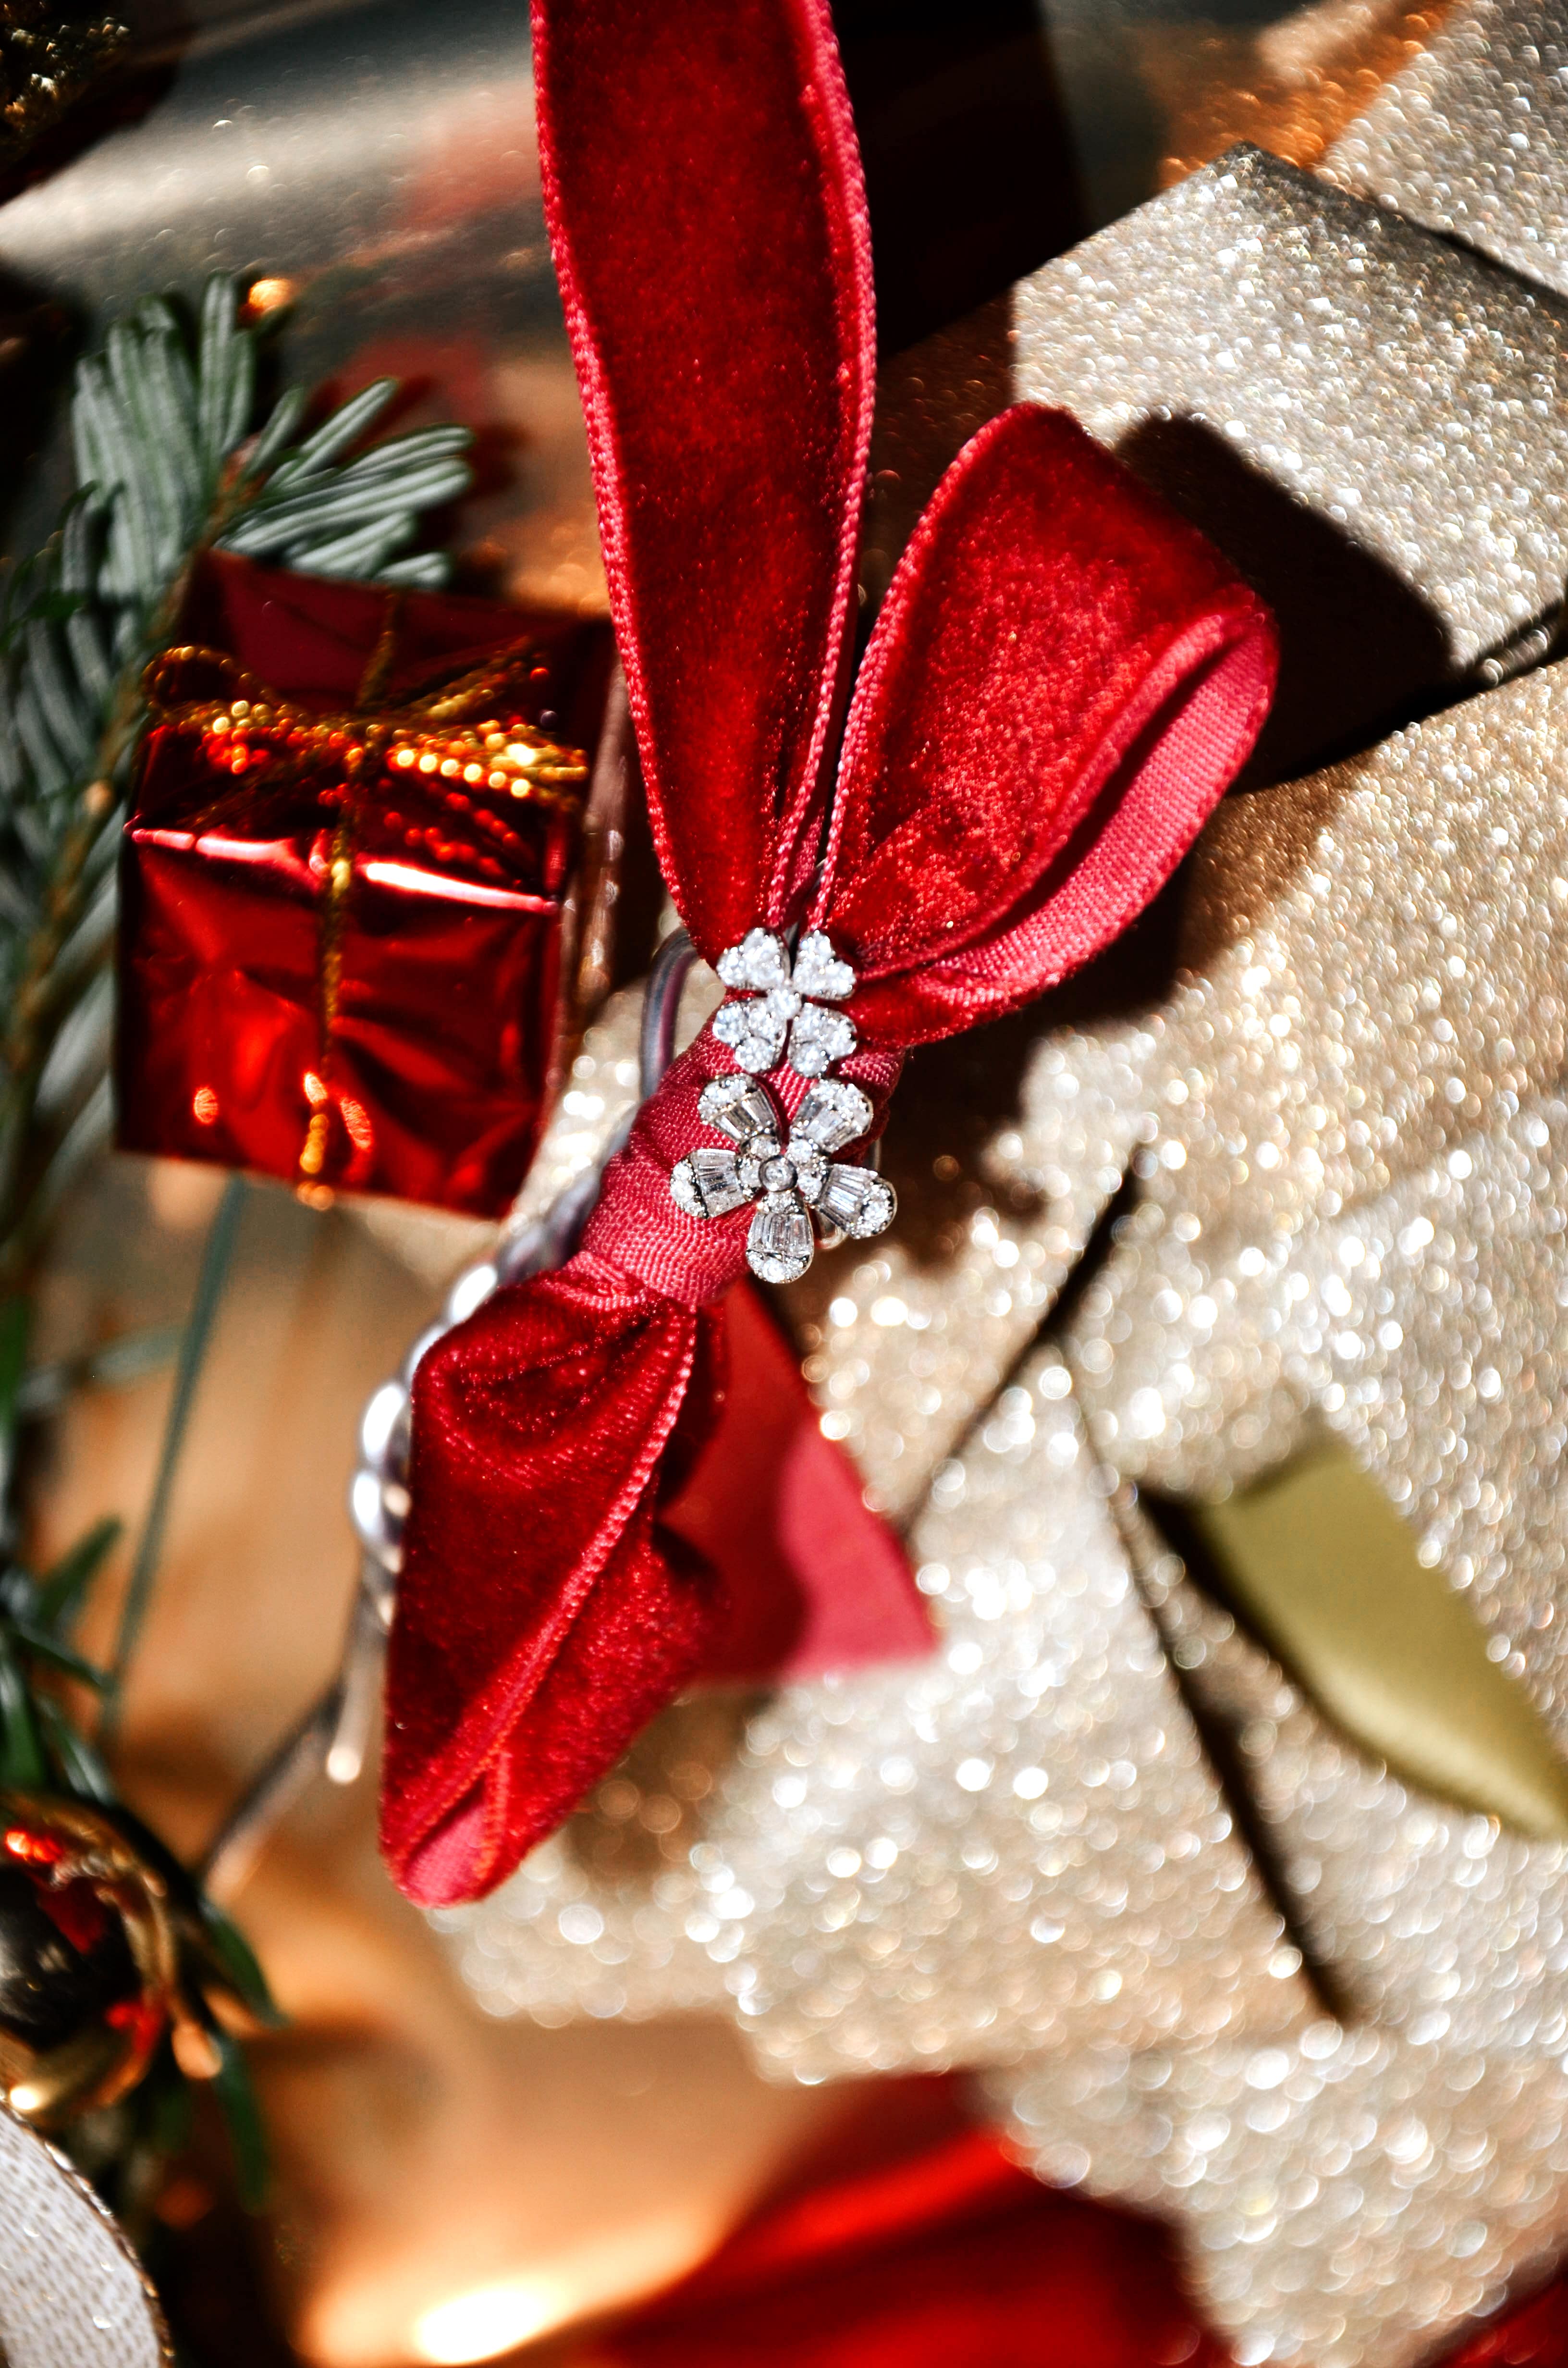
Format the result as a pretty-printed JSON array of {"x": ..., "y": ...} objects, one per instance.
[{"x": 1062, "y": 680}]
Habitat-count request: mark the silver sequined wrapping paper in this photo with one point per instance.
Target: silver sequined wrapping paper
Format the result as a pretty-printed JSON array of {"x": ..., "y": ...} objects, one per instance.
[
  {"x": 71, "y": 2294},
  {"x": 1018, "y": 1841},
  {"x": 1343, "y": 2199},
  {"x": 910, "y": 1350},
  {"x": 1473, "y": 138},
  {"x": 1355, "y": 1198}
]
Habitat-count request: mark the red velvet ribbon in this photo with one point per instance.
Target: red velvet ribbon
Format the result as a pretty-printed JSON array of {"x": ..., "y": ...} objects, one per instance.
[{"x": 1061, "y": 682}]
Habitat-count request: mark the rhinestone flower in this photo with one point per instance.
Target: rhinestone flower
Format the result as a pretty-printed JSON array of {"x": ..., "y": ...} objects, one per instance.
[
  {"x": 785, "y": 1002},
  {"x": 786, "y": 1179}
]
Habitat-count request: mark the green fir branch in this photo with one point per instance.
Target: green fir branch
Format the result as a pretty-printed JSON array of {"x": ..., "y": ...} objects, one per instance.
[{"x": 170, "y": 461}]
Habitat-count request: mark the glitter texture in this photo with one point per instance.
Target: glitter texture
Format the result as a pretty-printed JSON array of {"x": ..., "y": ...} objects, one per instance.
[
  {"x": 1346, "y": 1130},
  {"x": 1371, "y": 423},
  {"x": 71, "y": 2293},
  {"x": 1471, "y": 137},
  {"x": 1016, "y": 1842},
  {"x": 1342, "y": 2198},
  {"x": 1354, "y": 1210}
]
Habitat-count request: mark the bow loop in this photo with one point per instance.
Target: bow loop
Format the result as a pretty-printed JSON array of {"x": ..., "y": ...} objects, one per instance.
[
  {"x": 702, "y": 188},
  {"x": 1062, "y": 680}
]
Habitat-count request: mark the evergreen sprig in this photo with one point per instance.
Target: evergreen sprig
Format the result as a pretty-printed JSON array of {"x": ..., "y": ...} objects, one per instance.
[
  {"x": 42, "y": 1751},
  {"x": 169, "y": 463}
]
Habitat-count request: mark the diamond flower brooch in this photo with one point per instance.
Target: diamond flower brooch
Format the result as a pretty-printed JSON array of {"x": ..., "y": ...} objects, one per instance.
[
  {"x": 787, "y": 1181},
  {"x": 785, "y": 1003},
  {"x": 790, "y": 1180}
]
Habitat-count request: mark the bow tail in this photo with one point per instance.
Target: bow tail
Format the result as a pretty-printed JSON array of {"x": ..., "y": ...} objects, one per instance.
[
  {"x": 542, "y": 1616},
  {"x": 644, "y": 1629}
]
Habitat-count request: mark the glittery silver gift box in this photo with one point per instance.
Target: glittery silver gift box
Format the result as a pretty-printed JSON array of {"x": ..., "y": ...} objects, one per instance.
[
  {"x": 1356, "y": 2194},
  {"x": 1355, "y": 1213},
  {"x": 1473, "y": 138}
]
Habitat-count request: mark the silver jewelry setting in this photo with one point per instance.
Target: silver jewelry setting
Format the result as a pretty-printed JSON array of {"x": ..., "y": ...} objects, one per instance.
[
  {"x": 785, "y": 1003},
  {"x": 788, "y": 1178}
]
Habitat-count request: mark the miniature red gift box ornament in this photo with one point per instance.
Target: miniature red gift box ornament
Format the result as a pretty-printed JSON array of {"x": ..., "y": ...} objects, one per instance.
[
  {"x": 1061, "y": 682},
  {"x": 345, "y": 883}
]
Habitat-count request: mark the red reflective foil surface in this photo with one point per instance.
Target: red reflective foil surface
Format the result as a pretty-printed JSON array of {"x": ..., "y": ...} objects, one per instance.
[{"x": 446, "y": 1006}]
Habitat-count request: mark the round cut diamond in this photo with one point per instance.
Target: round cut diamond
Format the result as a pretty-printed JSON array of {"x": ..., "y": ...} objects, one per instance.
[
  {"x": 818, "y": 972},
  {"x": 779, "y": 1010},
  {"x": 759, "y": 961},
  {"x": 818, "y": 1039}
]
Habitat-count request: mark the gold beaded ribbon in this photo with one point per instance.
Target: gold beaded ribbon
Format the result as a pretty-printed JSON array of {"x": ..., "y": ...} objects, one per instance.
[{"x": 453, "y": 741}]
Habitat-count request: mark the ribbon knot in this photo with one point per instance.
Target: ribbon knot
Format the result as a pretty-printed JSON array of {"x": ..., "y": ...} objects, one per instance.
[{"x": 1062, "y": 680}]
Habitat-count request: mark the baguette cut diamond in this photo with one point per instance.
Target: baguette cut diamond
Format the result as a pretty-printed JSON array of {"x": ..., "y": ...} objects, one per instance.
[
  {"x": 858, "y": 1203},
  {"x": 740, "y": 1109},
  {"x": 708, "y": 1184},
  {"x": 780, "y": 1245},
  {"x": 832, "y": 1114},
  {"x": 788, "y": 1179}
]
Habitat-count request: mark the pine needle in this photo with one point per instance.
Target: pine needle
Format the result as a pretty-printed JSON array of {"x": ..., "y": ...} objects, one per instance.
[{"x": 168, "y": 462}]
